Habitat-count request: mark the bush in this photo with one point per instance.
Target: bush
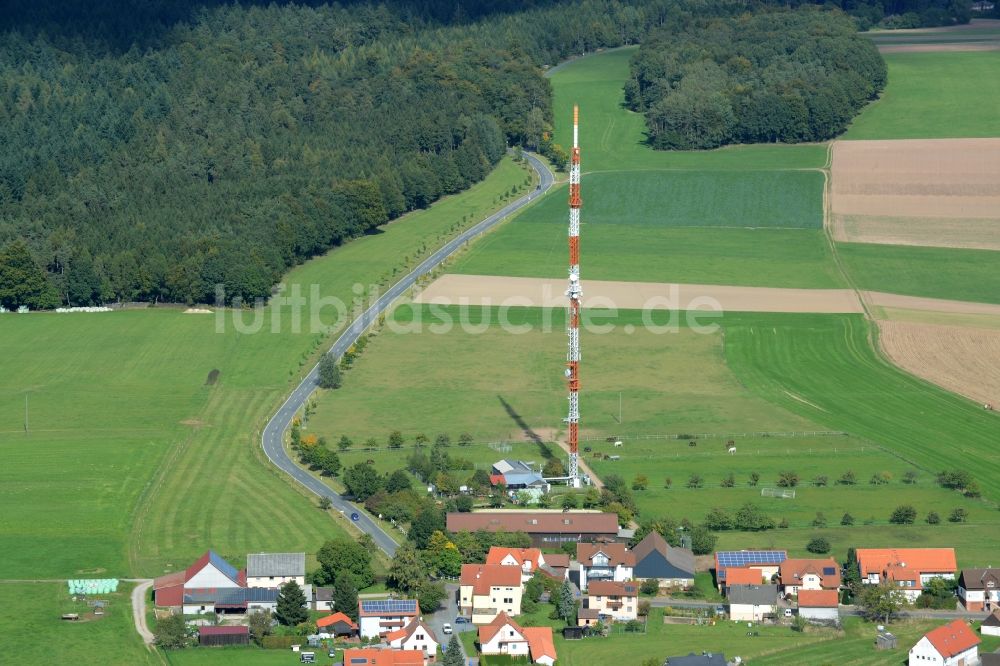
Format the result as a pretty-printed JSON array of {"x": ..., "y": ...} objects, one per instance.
[
  {"x": 783, "y": 524},
  {"x": 933, "y": 518},
  {"x": 904, "y": 514},
  {"x": 958, "y": 516},
  {"x": 848, "y": 478},
  {"x": 820, "y": 481},
  {"x": 818, "y": 545},
  {"x": 819, "y": 520},
  {"x": 650, "y": 587},
  {"x": 880, "y": 478},
  {"x": 753, "y": 480},
  {"x": 728, "y": 481},
  {"x": 695, "y": 481},
  {"x": 847, "y": 520},
  {"x": 717, "y": 519},
  {"x": 788, "y": 479}
]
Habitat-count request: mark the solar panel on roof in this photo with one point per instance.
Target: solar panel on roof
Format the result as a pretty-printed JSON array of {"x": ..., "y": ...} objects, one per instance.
[
  {"x": 389, "y": 605},
  {"x": 829, "y": 571}
]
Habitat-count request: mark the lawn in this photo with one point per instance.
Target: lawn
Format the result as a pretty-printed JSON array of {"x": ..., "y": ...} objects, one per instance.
[
  {"x": 823, "y": 367},
  {"x": 965, "y": 275},
  {"x": 613, "y": 138},
  {"x": 494, "y": 384},
  {"x": 33, "y": 632},
  {"x": 250, "y": 656},
  {"x": 934, "y": 96},
  {"x": 135, "y": 461}
]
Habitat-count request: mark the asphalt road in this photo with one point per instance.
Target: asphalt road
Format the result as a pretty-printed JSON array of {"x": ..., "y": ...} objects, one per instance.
[{"x": 272, "y": 438}]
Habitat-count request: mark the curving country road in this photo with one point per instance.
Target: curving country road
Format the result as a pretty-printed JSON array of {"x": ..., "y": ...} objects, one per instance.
[{"x": 272, "y": 439}]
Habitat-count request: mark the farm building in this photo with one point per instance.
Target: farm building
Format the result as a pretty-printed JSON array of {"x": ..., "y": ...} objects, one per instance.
[
  {"x": 236, "y": 600},
  {"x": 223, "y": 635},
  {"x": 767, "y": 562},
  {"x": 819, "y": 605},
  {"x": 907, "y": 568},
  {"x": 603, "y": 561},
  {"x": 991, "y": 625},
  {"x": 377, "y": 617},
  {"x": 210, "y": 571},
  {"x": 488, "y": 589},
  {"x": 275, "y": 569},
  {"x": 517, "y": 475},
  {"x": 414, "y": 636},
  {"x": 953, "y": 644},
  {"x": 979, "y": 589},
  {"x": 655, "y": 558},
  {"x": 382, "y": 657},
  {"x": 809, "y": 574},
  {"x": 546, "y": 528},
  {"x": 337, "y": 624},
  {"x": 752, "y": 603}
]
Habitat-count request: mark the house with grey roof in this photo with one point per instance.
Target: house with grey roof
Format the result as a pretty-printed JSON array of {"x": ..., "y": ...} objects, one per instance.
[
  {"x": 272, "y": 570},
  {"x": 752, "y": 602},
  {"x": 655, "y": 558}
]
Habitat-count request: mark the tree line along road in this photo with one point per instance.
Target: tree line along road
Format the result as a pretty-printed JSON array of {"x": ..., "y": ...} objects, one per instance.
[{"x": 272, "y": 439}]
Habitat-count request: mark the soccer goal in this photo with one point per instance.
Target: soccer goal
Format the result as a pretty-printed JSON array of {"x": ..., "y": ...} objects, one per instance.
[{"x": 783, "y": 493}]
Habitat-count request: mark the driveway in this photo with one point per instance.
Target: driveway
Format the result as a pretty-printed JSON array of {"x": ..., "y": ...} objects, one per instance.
[
  {"x": 447, "y": 614},
  {"x": 139, "y": 594}
]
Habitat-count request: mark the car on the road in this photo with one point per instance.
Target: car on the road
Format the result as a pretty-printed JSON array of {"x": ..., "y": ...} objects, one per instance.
[
  {"x": 462, "y": 620},
  {"x": 446, "y": 628}
]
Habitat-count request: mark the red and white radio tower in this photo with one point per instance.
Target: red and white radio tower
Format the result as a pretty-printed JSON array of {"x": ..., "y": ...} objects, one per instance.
[{"x": 575, "y": 292}]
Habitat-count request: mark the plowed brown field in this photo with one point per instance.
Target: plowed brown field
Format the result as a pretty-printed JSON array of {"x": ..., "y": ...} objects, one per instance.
[
  {"x": 962, "y": 359},
  {"x": 932, "y": 192}
]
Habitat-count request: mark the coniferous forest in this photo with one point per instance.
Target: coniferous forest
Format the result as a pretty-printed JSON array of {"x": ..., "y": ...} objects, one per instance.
[{"x": 153, "y": 150}]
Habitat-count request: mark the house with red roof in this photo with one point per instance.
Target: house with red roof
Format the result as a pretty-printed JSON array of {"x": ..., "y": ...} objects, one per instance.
[
  {"x": 415, "y": 636},
  {"x": 378, "y": 617},
  {"x": 908, "y": 569},
  {"x": 374, "y": 656},
  {"x": 809, "y": 574},
  {"x": 485, "y": 590},
  {"x": 337, "y": 624},
  {"x": 529, "y": 560},
  {"x": 608, "y": 600},
  {"x": 743, "y": 576},
  {"x": 953, "y": 644},
  {"x": 819, "y": 605},
  {"x": 504, "y": 636}
]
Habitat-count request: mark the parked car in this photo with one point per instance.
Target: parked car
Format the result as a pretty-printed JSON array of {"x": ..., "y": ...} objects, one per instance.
[
  {"x": 462, "y": 620},
  {"x": 446, "y": 628}
]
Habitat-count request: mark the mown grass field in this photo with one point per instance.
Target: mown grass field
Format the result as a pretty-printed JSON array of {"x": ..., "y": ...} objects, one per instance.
[
  {"x": 33, "y": 632},
  {"x": 965, "y": 275},
  {"x": 226, "y": 656},
  {"x": 133, "y": 464},
  {"x": 494, "y": 384},
  {"x": 934, "y": 96},
  {"x": 823, "y": 368}
]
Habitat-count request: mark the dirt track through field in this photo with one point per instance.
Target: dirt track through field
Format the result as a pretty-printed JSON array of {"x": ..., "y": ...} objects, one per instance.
[
  {"x": 488, "y": 290},
  {"x": 932, "y": 192},
  {"x": 962, "y": 359}
]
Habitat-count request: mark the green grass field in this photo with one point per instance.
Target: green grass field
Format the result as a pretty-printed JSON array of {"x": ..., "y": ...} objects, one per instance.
[
  {"x": 34, "y": 633},
  {"x": 936, "y": 272},
  {"x": 485, "y": 383},
  {"x": 823, "y": 367},
  {"x": 613, "y": 138},
  {"x": 934, "y": 96},
  {"x": 226, "y": 656},
  {"x": 133, "y": 465}
]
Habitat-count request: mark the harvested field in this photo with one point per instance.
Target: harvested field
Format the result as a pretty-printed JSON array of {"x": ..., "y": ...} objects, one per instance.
[
  {"x": 938, "y": 305},
  {"x": 486, "y": 290},
  {"x": 962, "y": 359},
  {"x": 928, "y": 192}
]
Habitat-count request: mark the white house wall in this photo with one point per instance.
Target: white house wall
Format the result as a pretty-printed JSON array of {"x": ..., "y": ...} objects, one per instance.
[{"x": 210, "y": 577}]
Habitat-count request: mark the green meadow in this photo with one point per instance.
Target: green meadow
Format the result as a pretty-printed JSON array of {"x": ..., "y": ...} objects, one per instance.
[
  {"x": 612, "y": 138},
  {"x": 34, "y": 633},
  {"x": 138, "y": 457},
  {"x": 943, "y": 95},
  {"x": 935, "y": 272}
]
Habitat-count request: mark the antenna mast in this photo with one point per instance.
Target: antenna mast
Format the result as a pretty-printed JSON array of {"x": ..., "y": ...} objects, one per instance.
[{"x": 575, "y": 292}]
